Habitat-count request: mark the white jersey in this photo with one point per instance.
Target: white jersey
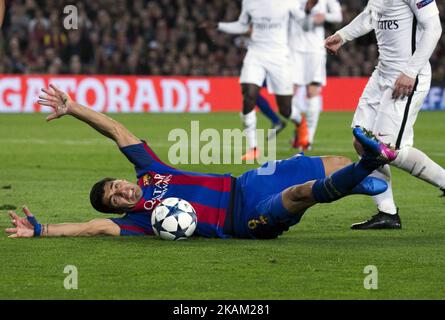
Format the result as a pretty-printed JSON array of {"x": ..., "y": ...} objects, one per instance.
[
  {"x": 270, "y": 23},
  {"x": 397, "y": 33},
  {"x": 305, "y": 36}
]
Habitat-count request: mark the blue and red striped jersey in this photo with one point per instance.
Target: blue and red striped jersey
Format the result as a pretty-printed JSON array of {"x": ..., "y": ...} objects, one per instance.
[{"x": 209, "y": 194}]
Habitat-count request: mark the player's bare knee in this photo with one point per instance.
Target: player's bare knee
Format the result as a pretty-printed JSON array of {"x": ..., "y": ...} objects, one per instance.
[{"x": 342, "y": 161}]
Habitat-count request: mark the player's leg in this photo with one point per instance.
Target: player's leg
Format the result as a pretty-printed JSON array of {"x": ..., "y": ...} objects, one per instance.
[
  {"x": 345, "y": 181},
  {"x": 384, "y": 202},
  {"x": 413, "y": 160},
  {"x": 299, "y": 79},
  {"x": 314, "y": 107},
  {"x": 277, "y": 124},
  {"x": 278, "y": 212},
  {"x": 315, "y": 64},
  {"x": 266, "y": 109},
  {"x": 394, "y": 125},
  {"x": 248, "y": 116},
  {"x": 252, "y": 78},
  {"x": 365, "y": 116}
]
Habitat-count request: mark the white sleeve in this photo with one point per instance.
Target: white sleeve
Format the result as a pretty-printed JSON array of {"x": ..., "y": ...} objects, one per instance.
[
  {"x": 423, "y": 9},
  {"x": 334, "y": 13},
  {"x": 431, "y": 32},
  {"x": 238, "y": 27},
  {"x": 358, "y": 27}
]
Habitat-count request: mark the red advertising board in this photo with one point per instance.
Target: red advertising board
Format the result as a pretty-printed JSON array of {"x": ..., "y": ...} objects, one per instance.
[{"x": 155, "y": 94}]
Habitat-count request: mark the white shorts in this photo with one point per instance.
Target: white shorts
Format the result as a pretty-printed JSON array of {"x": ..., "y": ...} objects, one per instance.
[
  {"x": 392, "y": 121},
  {"x": 308, "y": 67},
  {"x": 274, "y": 68}
]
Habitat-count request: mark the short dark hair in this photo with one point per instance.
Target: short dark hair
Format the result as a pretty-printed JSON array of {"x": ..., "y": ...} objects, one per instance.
[{"x": 97, "y": 196}]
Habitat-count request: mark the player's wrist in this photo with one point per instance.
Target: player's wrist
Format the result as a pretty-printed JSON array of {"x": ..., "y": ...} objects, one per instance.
[
  {"x": 410, "y": 73},
  {"x": 37, "y": 230},
  {"x": 342, "y": 36}
]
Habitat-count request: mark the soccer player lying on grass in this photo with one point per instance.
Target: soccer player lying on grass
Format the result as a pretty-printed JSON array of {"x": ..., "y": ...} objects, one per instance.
[{"x": 250, "y": 206}]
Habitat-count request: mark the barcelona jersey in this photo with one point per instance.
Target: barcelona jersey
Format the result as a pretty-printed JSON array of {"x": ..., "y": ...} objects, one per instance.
[{"x": 209, "y": 194}]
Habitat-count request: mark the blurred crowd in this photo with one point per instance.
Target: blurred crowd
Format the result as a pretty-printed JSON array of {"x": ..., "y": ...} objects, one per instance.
[{"x": 151, "y": 38}]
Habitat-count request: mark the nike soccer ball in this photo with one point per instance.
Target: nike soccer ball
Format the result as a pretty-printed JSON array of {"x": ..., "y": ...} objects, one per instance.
[{"x": 174, "y": 219}]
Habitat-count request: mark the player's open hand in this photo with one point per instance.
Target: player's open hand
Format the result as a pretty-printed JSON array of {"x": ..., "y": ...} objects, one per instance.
[
  {"x": 58, "y": 100},
  {"x": 403, "y": 87},
  {"x": 23, "y": 228},
  {"x": 333, "y": 43}
]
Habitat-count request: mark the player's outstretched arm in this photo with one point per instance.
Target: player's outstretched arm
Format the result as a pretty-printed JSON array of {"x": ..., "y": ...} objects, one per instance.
[
  {"x": 357, "y": 28},
  {"x": 62, "y": 104},
  {"x": 28, "y": 227}
]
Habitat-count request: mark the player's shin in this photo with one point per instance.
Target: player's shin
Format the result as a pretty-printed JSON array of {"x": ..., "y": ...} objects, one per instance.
[
  {"x": 313, "y": 115},
  {"x": 421, "y": 166},
  {"x": 295, "y": 115},
  {"x": 385, "y": 200},
  {"x": 342, "y": 182},
  {"x": 249, "y": 122}
]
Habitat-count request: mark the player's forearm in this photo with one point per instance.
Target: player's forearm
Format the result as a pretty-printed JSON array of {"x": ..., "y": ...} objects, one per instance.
[
  {"x": 66, "y": 230},
  {"x": 86, "y": 229},
  {"x": 432, "y": 31},
  {"x": 233, "y": 27},
  {"x": 357, "y": 28},
  {"x": 103, "y": 124}
]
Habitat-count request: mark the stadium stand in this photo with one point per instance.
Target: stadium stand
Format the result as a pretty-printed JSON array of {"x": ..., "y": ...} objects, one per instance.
[{"x": 152, "y": 38}]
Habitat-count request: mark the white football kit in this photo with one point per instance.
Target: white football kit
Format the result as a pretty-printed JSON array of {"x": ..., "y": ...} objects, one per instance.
[
  {"x": 398, "y": 28},
  {"x": 307, "y": 44},
  {"x": 268, "y": 55},
  {"x": 407, "y": 33}
]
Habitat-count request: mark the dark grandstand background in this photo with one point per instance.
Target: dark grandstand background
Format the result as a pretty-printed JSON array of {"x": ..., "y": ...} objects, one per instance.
[{"x": 152, "y": 38}]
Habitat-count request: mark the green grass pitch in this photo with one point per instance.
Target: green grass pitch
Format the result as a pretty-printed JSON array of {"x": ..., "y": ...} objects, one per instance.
[{"x": 51, "y": 167}]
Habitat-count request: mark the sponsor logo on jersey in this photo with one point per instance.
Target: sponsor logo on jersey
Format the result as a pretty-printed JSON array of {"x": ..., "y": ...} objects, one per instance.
[
  {"x": 423, "y": 3},
  {"x": 387, "y": 3},
  {"x": 388, "y": 25},
  {"x": 160, "y": 183}
]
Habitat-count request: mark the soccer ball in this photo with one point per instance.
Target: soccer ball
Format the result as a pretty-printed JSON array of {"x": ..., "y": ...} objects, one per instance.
[{"x": 174, "y": 219}]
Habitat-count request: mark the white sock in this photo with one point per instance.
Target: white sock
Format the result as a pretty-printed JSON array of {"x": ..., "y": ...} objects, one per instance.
[
  {"x": 295, "y": 115},
  {"x": 249, "y": 122},
  {"x": 421, "y": 166},
  {"x": 312, "y": 115},
  {"x": 385, "y": 200}
]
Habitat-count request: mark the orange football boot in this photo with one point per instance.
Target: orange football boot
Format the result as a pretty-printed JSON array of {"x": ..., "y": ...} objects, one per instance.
[{"x": 252, "y": 154}]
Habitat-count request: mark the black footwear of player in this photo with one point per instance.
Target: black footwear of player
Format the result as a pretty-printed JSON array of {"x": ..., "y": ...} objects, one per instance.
[
  {"x": 443, "y": 191},
  {"x": 381, "y": 220}
]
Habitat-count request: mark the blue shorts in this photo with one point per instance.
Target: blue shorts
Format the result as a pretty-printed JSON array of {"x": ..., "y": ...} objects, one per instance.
[{"x": 258, "y": 209}]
